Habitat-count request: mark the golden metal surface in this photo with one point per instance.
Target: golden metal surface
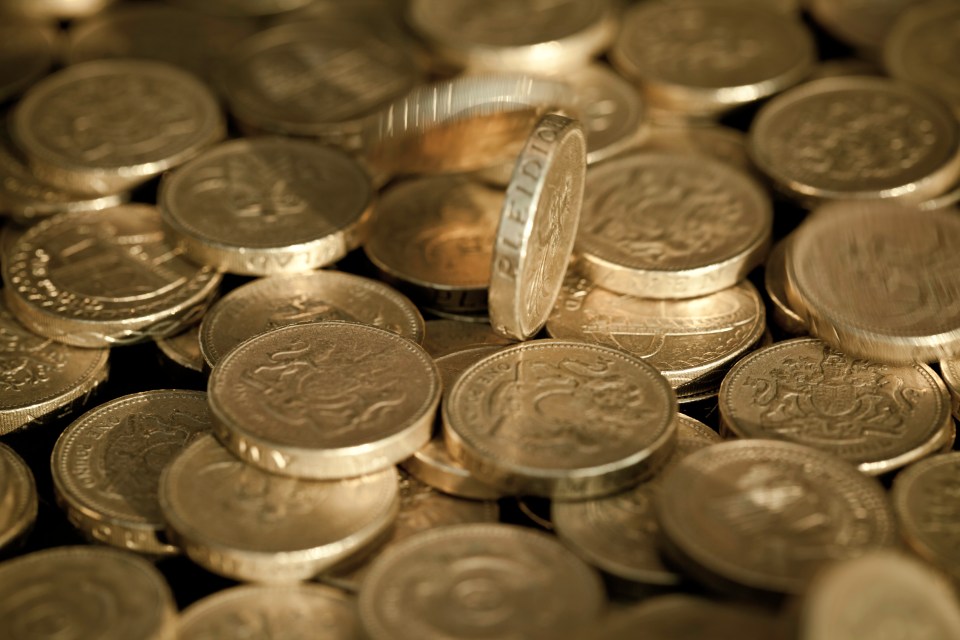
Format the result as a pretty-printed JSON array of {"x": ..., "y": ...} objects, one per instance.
[{"x": 18, "y": 497}]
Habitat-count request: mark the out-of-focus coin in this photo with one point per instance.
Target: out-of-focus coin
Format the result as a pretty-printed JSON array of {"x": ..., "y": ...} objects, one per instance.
[
  {"x": 18, "y": 497},
  {"x": 699, "y": 59},
  {"x": 714, "y": 141},
  {"x": 102, "y": 278},
  {"x": 950, "y": 372},
  {"x": 295, "y": 612},
  {"x": 84, "y": 592},
  {"x": 765, "y": 516},
  {"x": 775, "y": 284},
  {"x": 183, "y": 349},
  {"x": 533, "y": 36},
  {"x": 52, "y": 9},
  {"x": 863, "y": 24},
  {"x": 619, "y": 534},
  {"x": 879, "y": 281},
  {"x": 925, "y": 500},
  {"x": 27, "y": 51},
  {"x": 538, "y": 225},
  {"x": 880, "y": 594},
  {"x": 264, "y": 206},
  {"x": 857, "y": 138},
  {"x": 664, "y": 225},
  {"x": 248, "y": 524},
  {"x": 106, "y": 465},
  {"x": 688, "y": 341},
  {"x": 242, "y": 7},
  {"x": 434, "y": 238},
  {"x": 270, "y": 303},
  {"x": 445, "y": 337},
  {"x": 491, "y": 580},
  {"x": 842, "y": 67},
  {"x": 324, "y": 400},
  {"x": 876, "y": 416},
  {"x": 560, "y": 419},
  {"x": 106, "y": 126}
]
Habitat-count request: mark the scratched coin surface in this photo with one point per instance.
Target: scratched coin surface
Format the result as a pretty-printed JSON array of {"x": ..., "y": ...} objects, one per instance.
[
  {"x": 766, "y": 515},
  {"x": 479, "y": 581},
  {"x": 251, "y": 525},
  {"x": 296, "y": 612},
  {"x": 775, "y": 284},
  {"x": 667, "y": 225},
  {"x": 560, "y": 419},
  {"x": 27, "y": 52},
  {"x": 183, "y": 349},
  {"x": 857, "y": 138},
  {"x": 434, "y": 238},
  {"x": 106, "y": 465},
  {"x": 443, "y": 337},
  {"x": 323, "y": 400},
  {"x": 270, "y": 303},
  {"x": 538, "y": 225},
  {"x": 18, "y": 497},
  {"x": 269, "y": 205},
  {"x": 84, "y": 592},
  {"x": 103, "y": 278},
  {"x": 879, "y": 281},
  {"x": 105, "y": 126}
]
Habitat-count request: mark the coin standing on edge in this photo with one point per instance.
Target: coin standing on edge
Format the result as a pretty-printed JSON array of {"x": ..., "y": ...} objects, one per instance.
[
  {"x": 18, "y": 497},
  {"x": 538, "y": 225}
]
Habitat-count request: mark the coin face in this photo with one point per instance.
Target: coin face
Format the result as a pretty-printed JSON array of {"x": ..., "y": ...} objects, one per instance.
[
  {"x": 767, "y": 515},
  {"x": 248, "y": 524},
  {"x": 446, "y": 337},
  {"x": 611, "y": 110},
  {"x": 18, "y": 497},
  {"x": 720, "y": 143},
  {"x": 775, "y": 284},
  {"x": 323, "y": 400},
  {"x": 468, "y": 580},
  {"x": 102, "y": 278},
  {"x": 183, "y": 349},
  {"x": 105, "y": 126},
  {"x": 27, "y": 53},
  {"x": 538, "y": 224},
  {"x": 106, "y": 465},
  {"x": 560, "y": 419},
  {"x": 262, "y": 206},
  {"x": 647, "y": 230},
  {"x": 879, "y": 282},
  {"x": 122, "y": 596},
  {"x": 950, "y": 372}
]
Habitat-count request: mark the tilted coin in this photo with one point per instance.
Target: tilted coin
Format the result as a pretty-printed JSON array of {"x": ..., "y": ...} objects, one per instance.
[
  {"x": 879, "y": 417},
  {"x": 263, "y": 206},
  {"x": 279, "y": 301},
  {"x": 700, "y": 59},
  {"x": 879, "y": 281},
  {"x": 243, "y": 7},
  {"x": 106, "y": 126},
  {"x": 950, "y": 372},
  {"x": 857, "y": 138},
  {"x": 434, "y": 238},
  {"x": 183, "y": 349},
  {"x": 106, "y": 465},
  {"x": 775, "y": 284},
  {"x": 102, "y": 278},
  {"x": 666, "y": 225},
  {"x": 925, "y": 499},
  {"x": 324, "y": 400},
  {"x": 765, "y": 516},
  {"x": 841, "y": 67},
  {"x": 18, "y": 497},
  {"x": 84, "y": 592},
  {"x": 491, "y": 580},
  {"x": 52, "y": 9},
  {"x": 560, "y": 419},
  {"x": 692, "y": 341},
  {"x": 859, "y": 23},
  {"x": 27, "y": 52},
  {"x": 720, "y": 143},
  {"x": 538, "y": 225},
  {"x": 296, "y": 612},
  {"x": 445, "y": 337},
  {"x": 248, "y": 524}
]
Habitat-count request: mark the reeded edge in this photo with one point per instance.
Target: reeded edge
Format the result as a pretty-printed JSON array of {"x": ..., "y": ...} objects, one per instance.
[
  {"x": 774, "y": 282},
  {"x": 448, "y": 479},
  {"x": 24, "y": 519},
  {"x": 953, "y": 384},
  {"x": 177, "y": 357},
  {"x": 454, "y": 298}
]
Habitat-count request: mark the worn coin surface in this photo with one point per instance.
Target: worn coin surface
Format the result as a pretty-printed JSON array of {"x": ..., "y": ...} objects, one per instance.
[
  {"x": 183, "y": 349},
  {"x": 775, "y": 284},
  {"x": 444, "y": 337},
  {"x": 18, "y": 497},
  {"x": 538, "y": 226},
  {"x": 27, "y": 53},
  {"x": 489, "y": 580}
]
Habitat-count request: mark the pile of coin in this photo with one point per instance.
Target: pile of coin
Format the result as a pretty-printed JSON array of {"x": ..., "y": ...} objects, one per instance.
[{"x": 443, "y": 319}]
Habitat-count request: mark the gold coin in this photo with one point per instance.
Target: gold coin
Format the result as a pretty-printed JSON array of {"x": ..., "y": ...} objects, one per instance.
[
  {"x": 106, "y": 126},
  {"x": 52, "y": 9},
  {"x": 842, "y": 67},
  {"x": 18, "y": 497},
  {"x": 279, "y": 301},
  {"x": 727, "y": 145},
  {"x": 775, "y": 284},
  {"x": 648, "y": 231},
  {"x": 765, "y": 516},
  {"x": 183, "y": 349},
  {"x": 103, "y": 278},
  {"x": 471, "y": 581},
  {"x": 861, "y": 24},
  {"x": 106, "y": 465},
  {"x": 294, "y": 612},
  {"x": 263, "y": 206},
  {"x": 857, "y": 138},
  {"x": 560, "y": 419},
  {"x": 879, "y": 281},
  {"x": 27, "y": 52},
  {"x": 434, "y": 238},
  {"x": 445, "y": 337},
  {"x": 248, "y": 524},
  {"x": 950, "y": 372},
  {"x": 84, "y": 592},
  {"x": 324, "y": 400},
  {"x": 876, "y": 416},
  {"x": 243, "y": 7},
  {"x": 538, "y": 224}
]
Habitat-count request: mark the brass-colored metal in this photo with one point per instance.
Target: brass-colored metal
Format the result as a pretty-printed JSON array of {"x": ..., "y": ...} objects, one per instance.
[
  {"x": 446, "y": 337},
  {"x": 18, "y": 498},
  {"x": 27, "y": 52},
  {"x": 775, "y": 285},
  {"x": 862, "y": 25},
  {"x": 183, "y": 349}
]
